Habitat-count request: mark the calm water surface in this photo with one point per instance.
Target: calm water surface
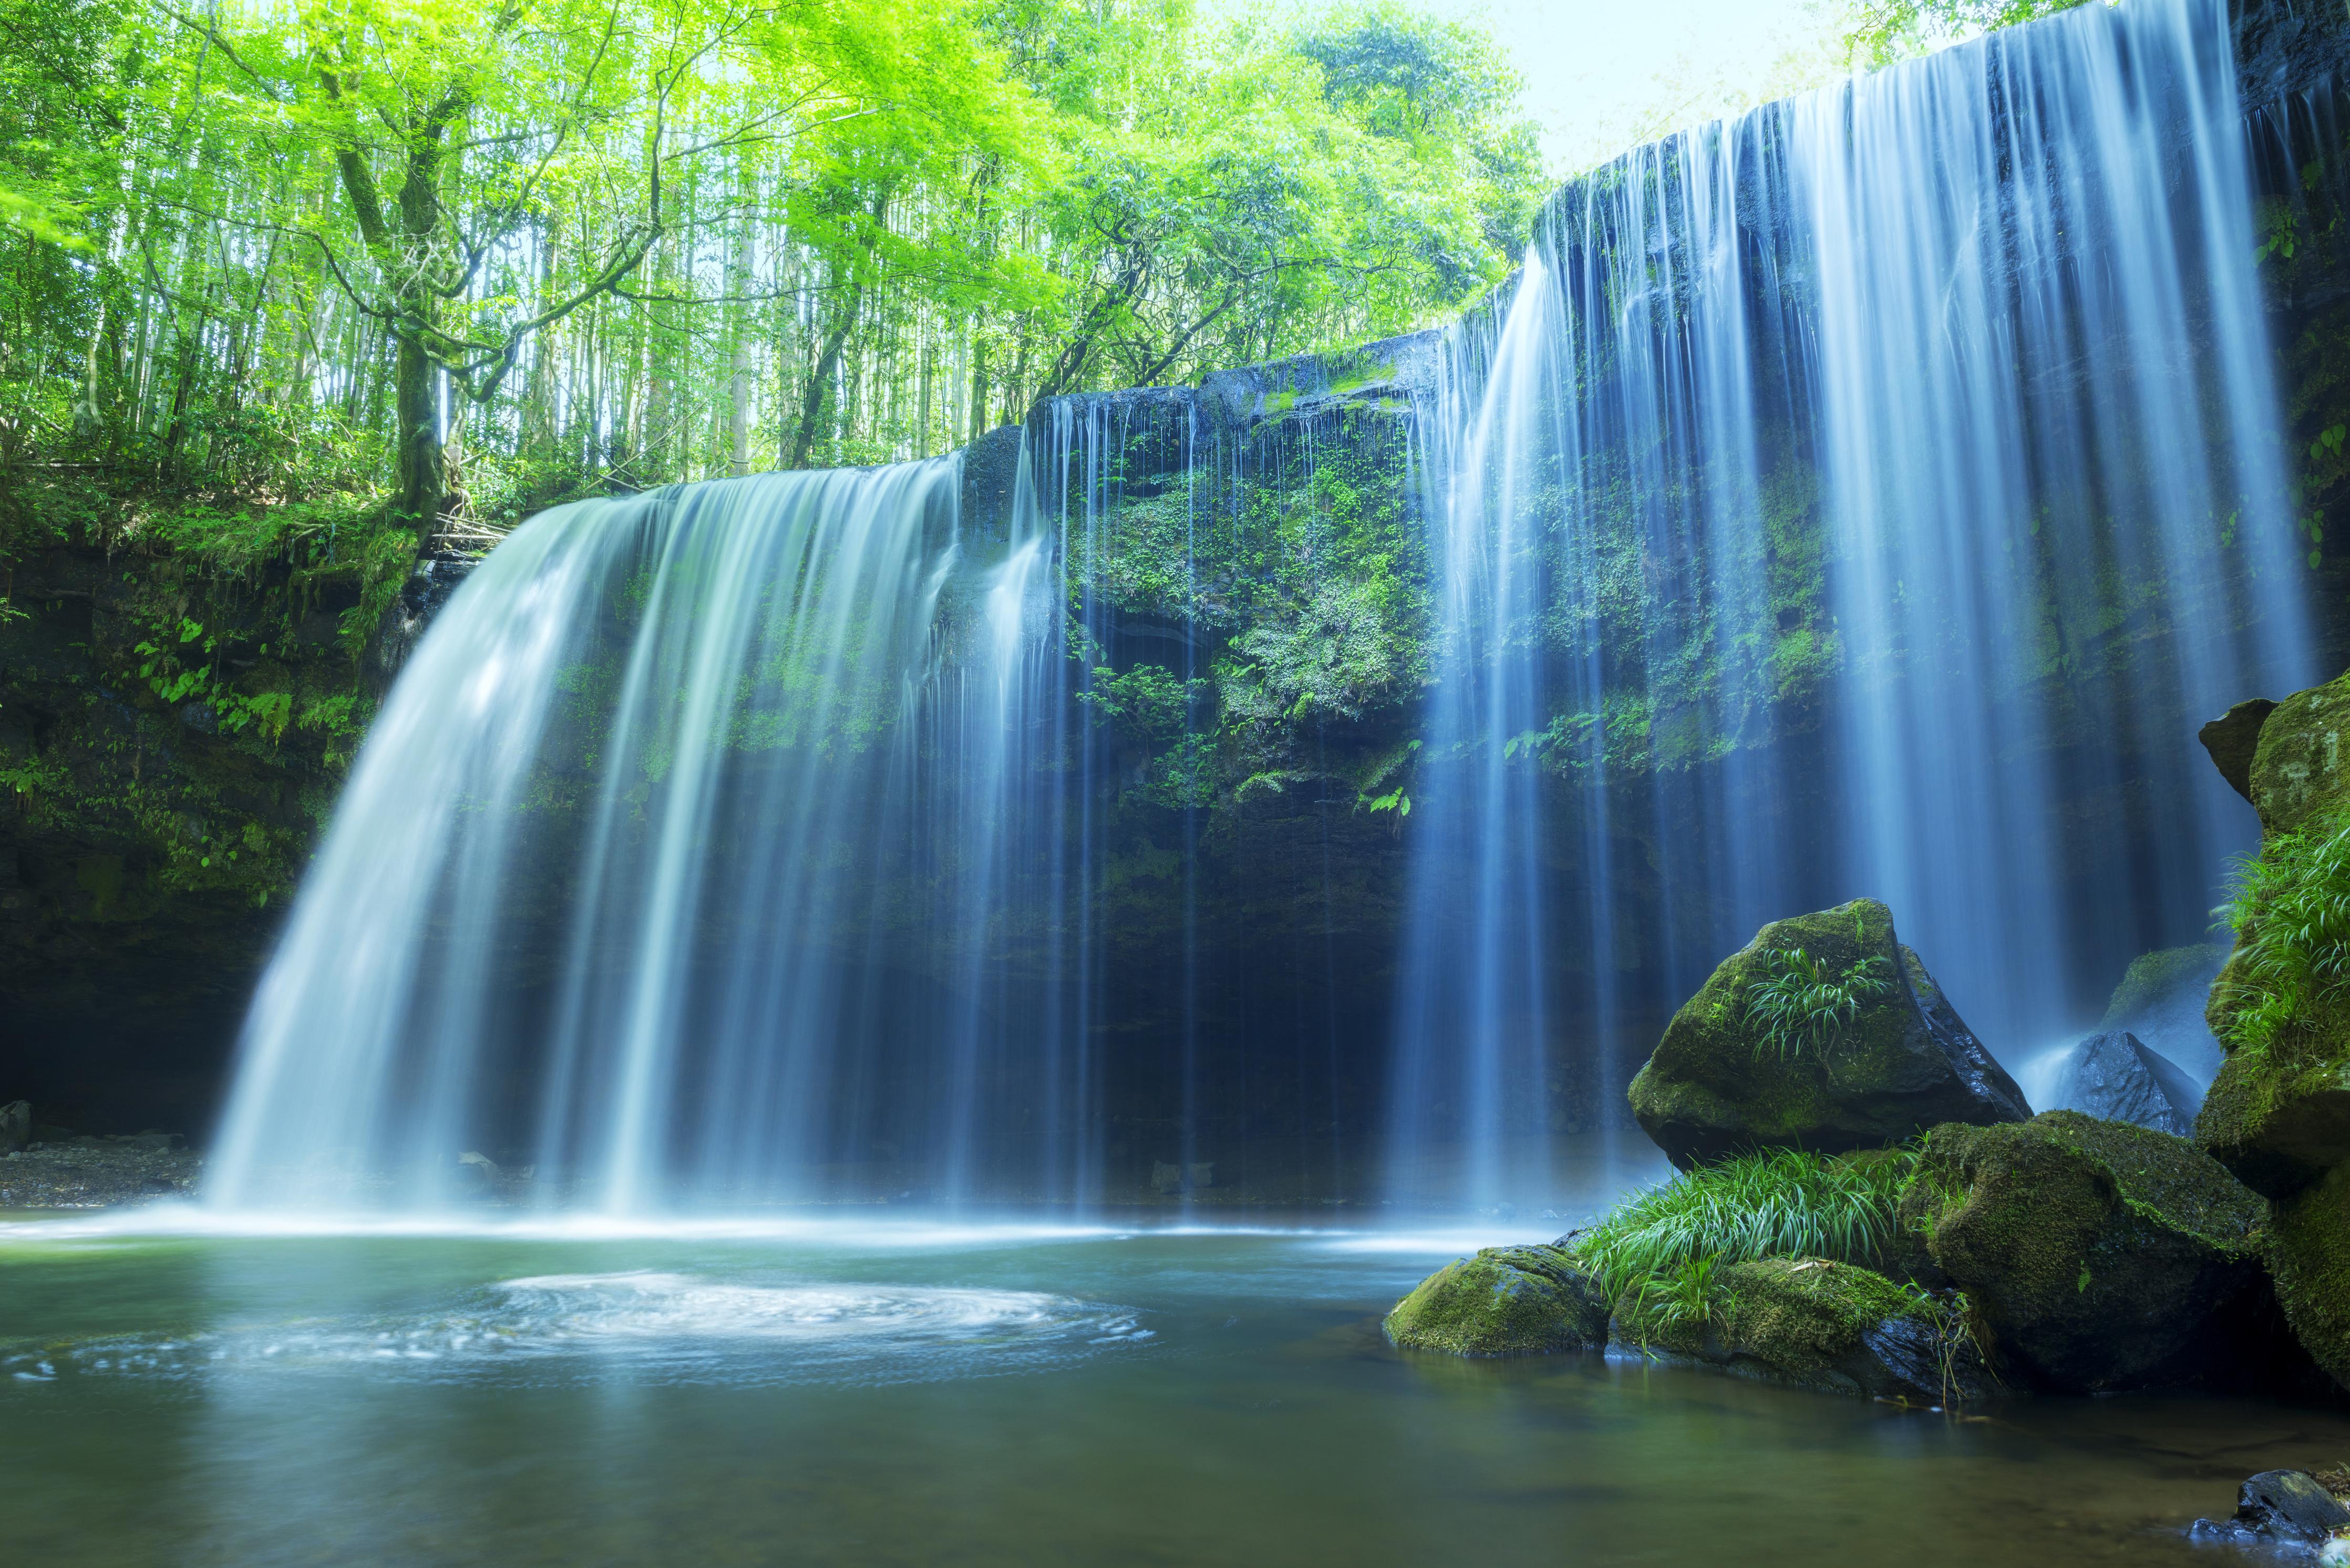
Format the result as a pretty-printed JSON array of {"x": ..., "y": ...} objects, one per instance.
[{"x": 872, "y": 1393}]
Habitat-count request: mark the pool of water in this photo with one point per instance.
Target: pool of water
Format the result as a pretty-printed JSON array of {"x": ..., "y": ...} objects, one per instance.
[{"x": 908, "y": 1393}]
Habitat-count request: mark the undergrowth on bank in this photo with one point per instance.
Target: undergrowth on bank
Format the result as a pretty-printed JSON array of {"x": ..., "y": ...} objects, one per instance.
[{"x": 1789, "y": 1203}]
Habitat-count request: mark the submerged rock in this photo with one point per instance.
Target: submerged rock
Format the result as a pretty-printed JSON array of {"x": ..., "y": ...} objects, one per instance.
[
  {"x": 2115, "y": 1077},
  {"x": 2095, "y": 1251},
  {"x": 1505, "y": 1301},
  {"x": 1833, "y": 1326},
  {"x": 2283, "y": 1507},
  {"x": 16, "y": 1126},
  {"x": 1748, "y": 1063}
]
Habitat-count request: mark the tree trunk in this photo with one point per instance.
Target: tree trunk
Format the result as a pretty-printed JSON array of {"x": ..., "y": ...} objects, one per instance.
[{"x": 416, "y": 497}]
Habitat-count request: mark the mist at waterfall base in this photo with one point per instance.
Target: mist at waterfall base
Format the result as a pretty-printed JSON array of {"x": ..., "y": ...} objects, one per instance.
[{"x": 1840, "y": 496}]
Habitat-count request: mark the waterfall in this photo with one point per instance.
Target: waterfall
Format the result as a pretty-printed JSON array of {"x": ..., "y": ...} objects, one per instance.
[
  {"x": 1322, "y": 771},
  {"x": 631, "y": 873},
  {"x": 1868, "y": 495}
]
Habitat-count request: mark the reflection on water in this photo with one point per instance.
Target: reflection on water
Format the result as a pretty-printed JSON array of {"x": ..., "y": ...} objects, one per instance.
[{"x": 1009, "y": 1394}]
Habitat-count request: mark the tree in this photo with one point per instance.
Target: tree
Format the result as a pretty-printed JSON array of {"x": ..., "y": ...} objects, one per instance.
[{"x": 1887, "y": 30}]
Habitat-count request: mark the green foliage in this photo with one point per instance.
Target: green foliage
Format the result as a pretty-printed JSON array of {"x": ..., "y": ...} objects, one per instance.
[
  {"x": 1798, "y": 1004},
  {"x": 1887, "y": 31},
  {"x": 2290, "y": 908},
  {"x": 1150, "y": 704},
  {"x": 1790, "y": 1203},
  {"x": 663, "y": 239},
  {"x": 1684, "y": 1296}
]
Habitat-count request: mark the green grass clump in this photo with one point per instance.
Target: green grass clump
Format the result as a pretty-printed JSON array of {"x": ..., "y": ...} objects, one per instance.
[
  {"x": 1799, "y": 1004},
  {"x": 1785, "y": 1204},
  {"x": 2290, "y": 907}
]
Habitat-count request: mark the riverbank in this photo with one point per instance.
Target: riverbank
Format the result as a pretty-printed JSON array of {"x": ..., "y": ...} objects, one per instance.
[{"x": 99, "y": 1172}]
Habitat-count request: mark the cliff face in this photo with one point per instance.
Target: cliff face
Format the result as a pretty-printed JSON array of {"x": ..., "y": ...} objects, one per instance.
[{"x": 1251, "y": 584}]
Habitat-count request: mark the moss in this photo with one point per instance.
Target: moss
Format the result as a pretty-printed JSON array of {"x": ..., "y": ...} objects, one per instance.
[
  {"x": 2278, "y": 1114},
  {"x": 2095, "y": 1249},
  {"x": 2309, "y": 1258},
  {"x": 1505, "y": 1301},
  {"x": 179, "y": 695},
  {"x": 2155, "y": 978},
  {"x": 1818, "y": 1324},
  {"x": 1712, "y": 1087}
]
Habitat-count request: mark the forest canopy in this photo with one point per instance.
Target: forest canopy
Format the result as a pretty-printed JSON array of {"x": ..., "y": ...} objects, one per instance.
[
  {"x": 437, "y": 264},
  {"x": 465, "y": 260}
]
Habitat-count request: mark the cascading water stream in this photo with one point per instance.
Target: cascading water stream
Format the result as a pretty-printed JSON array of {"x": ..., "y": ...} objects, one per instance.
[
  {"x": 1869, "y": 496},
  {"x": 625, "y": 875},
  {"x": 1902, "y": 464}
]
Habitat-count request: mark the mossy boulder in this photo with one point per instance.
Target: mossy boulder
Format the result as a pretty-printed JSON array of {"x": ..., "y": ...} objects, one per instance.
[
  {"x": 2279, "y": 1115},
  {"x": 1505, "y": 1301},
  {"x": 2095, "y": 1252},
  {"x": 2298, "y": 771},
  {"x": 2309, "y": 1259},
  {"x": 1899, "y": 1060},
  {"x": 1820, "y": 1325}
]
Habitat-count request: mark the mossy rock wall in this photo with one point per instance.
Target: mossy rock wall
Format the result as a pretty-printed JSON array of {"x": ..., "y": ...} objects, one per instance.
[{"x": 184, "y": 682}]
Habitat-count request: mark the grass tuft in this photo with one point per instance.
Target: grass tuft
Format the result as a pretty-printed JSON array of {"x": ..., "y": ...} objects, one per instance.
[
  {"x": 1798, "y": 1003},
  {"x": 2292, "y": 906},
  {"x": 1786, "y": 1204}
]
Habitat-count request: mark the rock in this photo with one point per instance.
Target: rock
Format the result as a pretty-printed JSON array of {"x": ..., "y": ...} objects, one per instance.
[
  {"x": 2233, "y": 738},
  {"x": 2161, "y": 1001},
  {"x": 1165, "y": 1177},
  {"x": 2115, "y": 1078},
  {"x": 1718, "y": 1085},
  {"x": 2309, "y": 1259},
  {"x": 2297, "y": 774},
  {"x": 2279, "y": 1121},
  {"x": 1833, "y": 1326},
  {"x": 16, "y": 1126},
  {"x": 2289, "y": 1506},
  {"x": 1505, "y": 1301},
  {"x": 2095, "y": 1251},
  {"x": 479, "y": 1174}
]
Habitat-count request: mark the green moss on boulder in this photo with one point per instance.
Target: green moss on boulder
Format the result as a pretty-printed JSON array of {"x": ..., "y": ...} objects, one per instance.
[
  {"x": 2278, "y": 1117},
  {"x": 2298, "y": 772},
  {"x": 1505, "y": 1301},
  {"x": 2309, "y": 1259},
  {"x": 1833, "y": 1326},
  {"x": 2095, "y": 1251},
  {"x": 1902, "y": 1061}
]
